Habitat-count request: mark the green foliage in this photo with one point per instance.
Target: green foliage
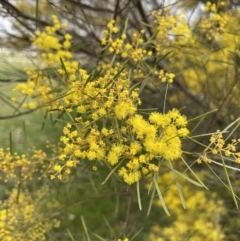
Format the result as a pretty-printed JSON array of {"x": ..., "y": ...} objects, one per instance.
[{"x": 92, "y": 176}]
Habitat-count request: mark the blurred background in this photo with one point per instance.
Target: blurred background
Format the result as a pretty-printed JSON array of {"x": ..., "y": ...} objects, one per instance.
[{"x": 206, "y": 79}]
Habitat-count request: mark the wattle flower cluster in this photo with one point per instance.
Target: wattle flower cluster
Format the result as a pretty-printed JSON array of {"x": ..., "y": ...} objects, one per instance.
[
  {"x": 105, "y": 124},
  {"x": 129, "y": 143}
]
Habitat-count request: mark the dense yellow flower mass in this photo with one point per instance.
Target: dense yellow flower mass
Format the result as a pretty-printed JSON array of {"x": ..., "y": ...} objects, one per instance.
[
  {"x": 40, "y": 86},
  {"x": 194, "y": 222},
  {"x": 21, "y": 217},
  {"x": 27, "y": 164},
  {"x": 138, "y": 144}
]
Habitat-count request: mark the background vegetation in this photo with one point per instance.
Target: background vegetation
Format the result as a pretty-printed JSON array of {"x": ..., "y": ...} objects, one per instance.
[{"x": 182, "y": 55}]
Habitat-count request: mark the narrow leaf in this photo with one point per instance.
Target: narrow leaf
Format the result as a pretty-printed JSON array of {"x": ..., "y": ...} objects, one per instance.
[
  {"x": 111, "y": 172},
  {"x": 139, "y": 197},
  {"x": 229, "y": 182},
  {"x": 178, "y": 186},
  {"x": 136, "y": 234},
  {"x": 70, "y": 235},
  {"x": 85, "y": 228},
  {"x": 151, "y": 200},
  {"x": 160, "y": 194}
]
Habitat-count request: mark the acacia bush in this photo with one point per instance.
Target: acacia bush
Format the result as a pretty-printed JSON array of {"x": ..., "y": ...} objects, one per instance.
[{"x": 129, "y": 128}]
